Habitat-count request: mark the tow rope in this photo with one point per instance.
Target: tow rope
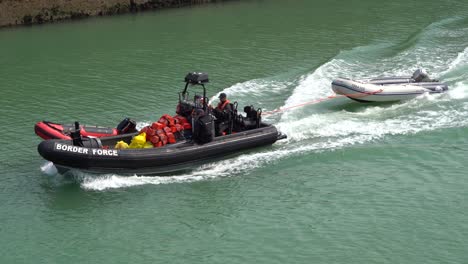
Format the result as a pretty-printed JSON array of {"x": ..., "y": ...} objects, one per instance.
[{"x": 283, "y": 109}]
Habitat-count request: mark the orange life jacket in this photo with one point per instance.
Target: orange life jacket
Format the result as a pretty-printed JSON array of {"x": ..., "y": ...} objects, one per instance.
[{"x": 222, "y": 105}]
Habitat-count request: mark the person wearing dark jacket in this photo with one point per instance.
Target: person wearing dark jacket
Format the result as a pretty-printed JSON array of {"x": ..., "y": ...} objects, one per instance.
[
  {"x": 224, "y": 108},
  {"x": 222, "y": 112}
]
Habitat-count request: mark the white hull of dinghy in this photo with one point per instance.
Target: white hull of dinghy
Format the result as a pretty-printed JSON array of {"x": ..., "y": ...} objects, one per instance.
[{"x": 367, "y": 92}]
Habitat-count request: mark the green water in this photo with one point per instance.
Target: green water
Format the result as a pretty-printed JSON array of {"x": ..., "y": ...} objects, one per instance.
[{"x": 353, "y": 183}]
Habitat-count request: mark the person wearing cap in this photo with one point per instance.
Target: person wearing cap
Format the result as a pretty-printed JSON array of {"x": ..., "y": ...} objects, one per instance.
[
  {"x": 223, "y": 103},
  {"x": 222, "y": 112}
]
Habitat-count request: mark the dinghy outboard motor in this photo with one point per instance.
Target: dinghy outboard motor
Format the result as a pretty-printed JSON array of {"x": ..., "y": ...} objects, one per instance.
[
  {"x": 126, "y": 126},
  {"x": 420, "y": 75}
]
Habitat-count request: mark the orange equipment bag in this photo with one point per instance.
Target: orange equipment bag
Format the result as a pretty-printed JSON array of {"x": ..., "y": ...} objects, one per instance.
[
  {"x": 179, "y": 127},
  {"x": 163, "y": 139},
  {"x": 157, "y": 125},
  {"x": 154, "y": 140},
  {"x": 170, "y": 119},
  {"x": 170, "y": 138},
  {"x": 163, "y": 121}
]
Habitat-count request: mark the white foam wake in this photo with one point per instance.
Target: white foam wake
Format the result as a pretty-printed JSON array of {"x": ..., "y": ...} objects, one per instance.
[
  {"x": 459, "y": 90},
  {"x": 105, "y": 182},
  {"x": 317, "y": 84},
  {"x": 48, "y": 168},
  {"x": 263, "y": 93},
  {"x": 460, "y": 61},
  {"x": 324, "y": 132}
]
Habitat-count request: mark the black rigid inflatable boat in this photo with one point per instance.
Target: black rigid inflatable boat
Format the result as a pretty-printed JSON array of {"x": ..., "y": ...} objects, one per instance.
[
  {"x": 173, "y": 157},
  {"x": 98, "y": 155}
]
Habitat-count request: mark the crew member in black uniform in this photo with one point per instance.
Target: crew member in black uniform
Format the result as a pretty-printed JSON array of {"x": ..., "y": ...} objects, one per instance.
[{"x": 223, "y": 114}]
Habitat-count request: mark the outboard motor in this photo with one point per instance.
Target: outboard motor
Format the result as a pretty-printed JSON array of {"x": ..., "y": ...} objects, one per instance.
[
  {"x": 420, "y": 75},
  {"x": 253, "y": 118},
  {"x": 126, "y": 126}
]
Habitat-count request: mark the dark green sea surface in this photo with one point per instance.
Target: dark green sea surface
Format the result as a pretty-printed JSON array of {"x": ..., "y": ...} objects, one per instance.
[{"x": 354, "y": 183}]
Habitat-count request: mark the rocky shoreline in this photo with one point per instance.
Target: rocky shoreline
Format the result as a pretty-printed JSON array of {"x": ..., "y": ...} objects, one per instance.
[{"x": 28, "y": 12}]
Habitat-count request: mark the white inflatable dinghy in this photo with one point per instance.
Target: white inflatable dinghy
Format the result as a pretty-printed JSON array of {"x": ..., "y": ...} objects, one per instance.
[{"x": 388, "y": 89}]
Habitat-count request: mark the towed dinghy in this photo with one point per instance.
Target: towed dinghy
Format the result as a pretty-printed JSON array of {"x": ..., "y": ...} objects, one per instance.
[
  {"x": 101, "y": 155},
  {"x": 389, "y": 89}
]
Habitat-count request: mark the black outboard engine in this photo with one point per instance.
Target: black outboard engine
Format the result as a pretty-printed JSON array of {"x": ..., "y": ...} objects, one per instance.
[
  {"x": 253, "y": 118},
  {"x": 126, "y": 126},
  {"x": 420, "y": 75}
]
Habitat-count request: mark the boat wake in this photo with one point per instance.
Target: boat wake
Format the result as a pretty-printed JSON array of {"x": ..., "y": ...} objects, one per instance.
[
  {"x": 340, "y": 123},
  {"x": 48, "y": 168}
]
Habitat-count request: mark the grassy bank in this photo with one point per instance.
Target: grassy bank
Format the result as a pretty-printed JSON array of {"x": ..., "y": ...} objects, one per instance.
[{"x": 28, "y": 12}]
